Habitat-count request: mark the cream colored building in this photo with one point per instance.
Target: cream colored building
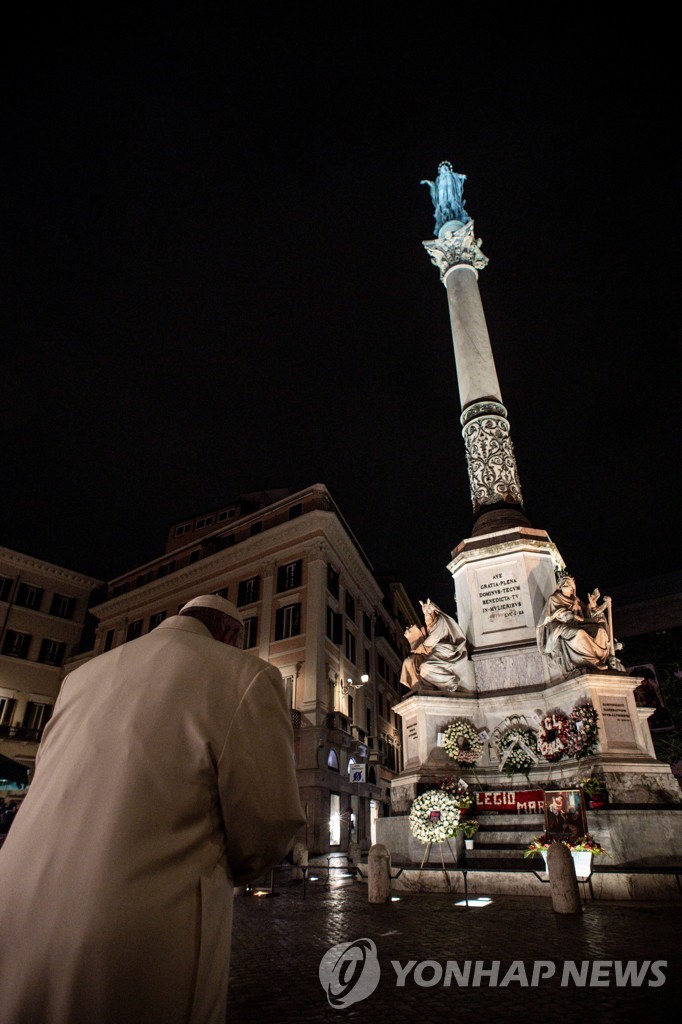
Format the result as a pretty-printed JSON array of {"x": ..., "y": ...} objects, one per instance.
[
  {"x": 313, "y": 607},
  {"x": 42, "y": 614}
]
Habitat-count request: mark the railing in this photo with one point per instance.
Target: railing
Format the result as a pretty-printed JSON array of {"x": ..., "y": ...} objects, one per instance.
[
  {"x": 335, "y": 720},
  {"x": 18, "y": 732},
  {"x": 296, "y": 717}
]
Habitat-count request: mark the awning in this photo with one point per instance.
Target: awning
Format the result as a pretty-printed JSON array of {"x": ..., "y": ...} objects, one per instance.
[{"x": 12, "y": 771}]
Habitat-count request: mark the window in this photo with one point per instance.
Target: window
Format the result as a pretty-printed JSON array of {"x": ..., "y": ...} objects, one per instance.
[
  {"x": 349, "y": 701},
  {"x": 7, "y": 706},
  {"x": 16, "y": 645},
  {"x": 295, "y": 511},
  {"x": 368, "y": 717},
  {"x": 256, "y": 528},
  {"x": 289, "y": 576},
  {"x": 332, "y": 581},
  {"x": 367, "y": 662},
  {"x": 289, "y": 690},
  {"x": 350, "y": 646},
  {"x": 287, "y": 621},
  {"x": 180, "y": 531},
  {"x": 165, "y": 569},
  {"x": 5, "y": 588},
  {"x": 381, "y": 666},
  {"x": 29, "y": 596},
  {"x": 134, "y": 630},
  {"x": 350, "y": 606},
  {"x": 248, "y": 590},
  {"x": 37, "y": 715},
  {"x": 109, "y": 640},
  {"x": 334, "y": 626},
  {"x": 333, "y": 760},
  {"x": 227, "y": 513},
  {"x": 194, "y": 556},
  {"x": 62, "y": 606},
  {"x": 155, "y": 619},
  {"x": 146, "y": 577},
  {"x": 367, "y": 625},
  {"x": 223, "y": 592},
  {"x": 203, "y": 523},
  {"x": 334, "y": 819},
  {"x": 250, "y": 632},
  {"x": 51, "y": 652},
  {"x": 119, "y": 589},
  {"x": 380, "y": 700}
]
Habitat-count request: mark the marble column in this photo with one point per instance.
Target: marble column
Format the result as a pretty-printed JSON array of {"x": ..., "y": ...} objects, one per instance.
[{"x": 493, "y": 477}]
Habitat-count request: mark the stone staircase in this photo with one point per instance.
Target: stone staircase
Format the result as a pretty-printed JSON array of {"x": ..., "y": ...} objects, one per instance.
[{"x": 501, "y": 841}]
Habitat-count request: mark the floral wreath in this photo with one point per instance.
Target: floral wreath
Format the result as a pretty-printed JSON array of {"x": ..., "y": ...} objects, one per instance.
[
  {"x": 434, "y": 817},
  {"x": 583, "y": 735},
  {"x": 518, "y": 750},
  {"x": 554, "y": 733},
  {"x": 462, "y": 742}
]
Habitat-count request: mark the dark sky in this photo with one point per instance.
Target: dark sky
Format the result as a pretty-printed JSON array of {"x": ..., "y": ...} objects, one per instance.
[{"x": 214, "y": 280}]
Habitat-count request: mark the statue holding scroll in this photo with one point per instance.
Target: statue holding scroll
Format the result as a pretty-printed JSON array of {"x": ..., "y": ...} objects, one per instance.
[{"x": 436, "y": 650}]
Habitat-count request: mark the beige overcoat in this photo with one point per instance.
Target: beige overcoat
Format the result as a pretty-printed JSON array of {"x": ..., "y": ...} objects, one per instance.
[{"x": 165, "y": 776}]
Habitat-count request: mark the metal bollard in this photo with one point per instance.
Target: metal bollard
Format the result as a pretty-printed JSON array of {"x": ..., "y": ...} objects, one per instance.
[
  {"x": 379, "y": 874},
  {"x": 563, "y": 883}
]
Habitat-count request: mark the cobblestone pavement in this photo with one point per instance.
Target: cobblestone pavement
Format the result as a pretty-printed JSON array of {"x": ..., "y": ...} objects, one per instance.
[{"x": 278, "y": 943}]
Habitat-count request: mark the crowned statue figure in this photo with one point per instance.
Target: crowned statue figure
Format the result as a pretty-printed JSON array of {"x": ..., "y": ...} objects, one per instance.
[
  {"x": 435, "y": 651},
  {"x": 447, "y": 196}
]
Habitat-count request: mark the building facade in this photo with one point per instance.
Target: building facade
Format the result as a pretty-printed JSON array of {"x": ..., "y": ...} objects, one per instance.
[
  {"x": 43, "y": 609},
  {"x": 314, "y": 608}
]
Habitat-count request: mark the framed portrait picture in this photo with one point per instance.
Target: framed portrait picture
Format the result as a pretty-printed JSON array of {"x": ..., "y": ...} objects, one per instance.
[{"x": 565, "y": 816}]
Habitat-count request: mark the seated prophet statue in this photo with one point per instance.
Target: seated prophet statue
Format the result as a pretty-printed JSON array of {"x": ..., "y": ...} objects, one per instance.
[
  {"x": 577, "y": 634},
  {"x": 435, "y": 651}
]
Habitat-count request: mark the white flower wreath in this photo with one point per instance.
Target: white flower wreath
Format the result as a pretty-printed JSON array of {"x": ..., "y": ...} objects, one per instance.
[
  {"x": 434, "y": 817},
  {"x": 518, "y": 750},
  {"x": 553, "y": 736},
  {"x": 462, "y": 742}
]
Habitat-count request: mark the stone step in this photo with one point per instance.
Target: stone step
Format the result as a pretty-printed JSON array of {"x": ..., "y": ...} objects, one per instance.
[
  {"x": 488, "y": 852},
  {"x": 517, "y": 820}
]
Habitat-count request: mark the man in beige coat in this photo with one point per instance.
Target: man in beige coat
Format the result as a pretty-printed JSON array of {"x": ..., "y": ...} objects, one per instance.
[{"x": 165, "y": 777}]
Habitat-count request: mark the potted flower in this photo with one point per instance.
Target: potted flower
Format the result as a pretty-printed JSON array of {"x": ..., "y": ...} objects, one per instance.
[
  {"x": 469, "y": 826},
  {"x": 594, "y": 788},
  {"x": 582, "y": 850}
]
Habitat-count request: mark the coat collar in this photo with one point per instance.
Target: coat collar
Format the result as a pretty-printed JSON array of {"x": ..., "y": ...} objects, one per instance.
[{"x": 185, "y": 623}]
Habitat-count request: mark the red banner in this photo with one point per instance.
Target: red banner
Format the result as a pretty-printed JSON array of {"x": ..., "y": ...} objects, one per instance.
[{"x": 511, "y": 801}]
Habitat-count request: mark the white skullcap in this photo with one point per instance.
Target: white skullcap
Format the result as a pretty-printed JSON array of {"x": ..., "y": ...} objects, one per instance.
[{"x": 221, "y": 604}]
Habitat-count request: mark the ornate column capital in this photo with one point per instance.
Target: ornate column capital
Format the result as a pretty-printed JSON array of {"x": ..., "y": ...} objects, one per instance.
[{"x": 456, "y": 247}]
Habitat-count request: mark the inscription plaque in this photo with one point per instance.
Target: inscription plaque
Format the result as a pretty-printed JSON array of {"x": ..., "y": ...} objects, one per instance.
[
  {"x": 499, "y": 598},
  {"x": 617, "y": 723}
]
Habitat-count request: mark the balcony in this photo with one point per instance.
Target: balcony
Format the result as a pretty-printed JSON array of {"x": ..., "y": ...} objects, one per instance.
[
  {"x": 18, "y": 732},
  {"x": 335, "y": 720}
]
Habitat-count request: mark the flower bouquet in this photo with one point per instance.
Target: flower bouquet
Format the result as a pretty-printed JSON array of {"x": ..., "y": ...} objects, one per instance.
[
  {"x": 459, "y": 791},
  {"x": 594, "y": 786}
]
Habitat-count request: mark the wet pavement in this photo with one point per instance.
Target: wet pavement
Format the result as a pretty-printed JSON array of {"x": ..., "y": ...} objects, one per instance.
[{"x": 279, "y": 941}]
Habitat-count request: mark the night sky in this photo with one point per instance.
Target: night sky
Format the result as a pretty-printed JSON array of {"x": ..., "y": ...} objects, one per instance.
[{"x": 214, "y": 281}]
